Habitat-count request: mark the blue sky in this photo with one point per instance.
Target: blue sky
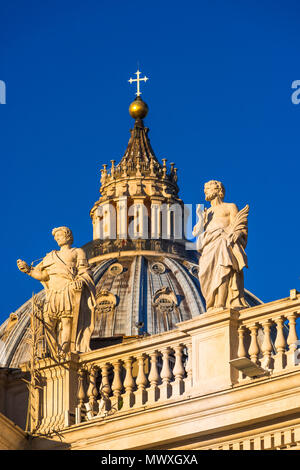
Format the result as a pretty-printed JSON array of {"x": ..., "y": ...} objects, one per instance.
[{"x": 220, "y": 105}]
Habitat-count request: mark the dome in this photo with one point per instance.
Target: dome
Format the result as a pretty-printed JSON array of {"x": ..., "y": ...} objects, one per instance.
[
  {"x": 137, "y": 293},
  {"x": 146, "y": 281}
]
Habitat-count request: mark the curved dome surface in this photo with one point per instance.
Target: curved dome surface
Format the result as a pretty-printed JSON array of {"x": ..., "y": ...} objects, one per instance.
[
  {"x": 146, "y": 281},
  {"x": 135, "y": 294}
]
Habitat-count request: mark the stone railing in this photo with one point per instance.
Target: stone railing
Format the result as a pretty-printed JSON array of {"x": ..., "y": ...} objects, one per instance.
[
  {"x": 138, "y": 374},
  {"x": 268, "y": 340},
  {"x": 211, "y": 353}
]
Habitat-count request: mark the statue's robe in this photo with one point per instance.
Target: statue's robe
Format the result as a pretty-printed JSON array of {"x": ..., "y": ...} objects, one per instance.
[
  {"x": 62, "y": 299},
  {"x": 222, "y": 261}
]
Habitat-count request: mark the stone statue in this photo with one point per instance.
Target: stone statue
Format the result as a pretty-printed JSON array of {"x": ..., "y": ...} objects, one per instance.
[
  {"x": 68, "y": 312},
  {"x": 222, "y": 237}
]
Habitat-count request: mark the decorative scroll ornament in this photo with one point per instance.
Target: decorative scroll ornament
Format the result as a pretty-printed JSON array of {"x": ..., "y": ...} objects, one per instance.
[
  {"x": 105, "y": 312},
  {"x": 165, "y": 304},
  {"x": 105, "y": 302}
]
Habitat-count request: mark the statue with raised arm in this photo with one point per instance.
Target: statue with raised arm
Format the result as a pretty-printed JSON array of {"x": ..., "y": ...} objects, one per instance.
[
  {"x": 68, "y": 312},
  {"x": 222, "y": 238}
]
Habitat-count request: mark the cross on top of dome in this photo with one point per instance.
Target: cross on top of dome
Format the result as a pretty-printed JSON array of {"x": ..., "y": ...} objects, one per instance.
[{"x": 138, "y": 80}]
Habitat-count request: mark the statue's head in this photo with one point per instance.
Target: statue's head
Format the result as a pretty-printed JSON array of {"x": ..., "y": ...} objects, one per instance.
[
  {"x": 62, "y": 235},
  {"x": 213, "y": 189}
]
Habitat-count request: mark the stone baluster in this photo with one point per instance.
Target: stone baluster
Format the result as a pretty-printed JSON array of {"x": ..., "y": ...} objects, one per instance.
[
  {"x": 292, "y": 341},
  {"x": 254, "y": 348},
  {"x": 116, "y": 386},
  {"x": 92, "y": 391},
  {"x": 178, "y": 371},
  {"x": 105, "y": 385},
  {"x": 189, "y": 369},
  {"x": 280, "y": 345},
  {"x": 266, "y": 345},
  {"x": 154, "y": 378},
  {"x": 80, "y": 395},
  {"x": 129, "y": 384},
  {"x": 166, "y": 375},
  {"x": 241, "y": 352},
  {"x": 241, "y": 349},
  {"x": 141, "y": 382},
  {"x": 104, "y": 402}
]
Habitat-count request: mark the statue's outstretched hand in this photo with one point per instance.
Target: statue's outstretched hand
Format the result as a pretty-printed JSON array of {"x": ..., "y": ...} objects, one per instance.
[{"x": 23, "y": 266}]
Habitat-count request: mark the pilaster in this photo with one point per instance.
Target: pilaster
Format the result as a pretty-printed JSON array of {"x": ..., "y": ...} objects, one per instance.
[{"x": 57, "y": 398}]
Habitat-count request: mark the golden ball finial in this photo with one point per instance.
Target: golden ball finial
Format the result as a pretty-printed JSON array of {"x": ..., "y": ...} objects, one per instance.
[{"x": 138, "y": 108}]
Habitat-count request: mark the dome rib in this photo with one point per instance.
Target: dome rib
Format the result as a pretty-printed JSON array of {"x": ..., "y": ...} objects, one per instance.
[
  {"x": 138, "y": 147},
  {"x": 192, "y": 294},
  {"x": 100, "y": 270},
  {"x": 136, "y": 287}
]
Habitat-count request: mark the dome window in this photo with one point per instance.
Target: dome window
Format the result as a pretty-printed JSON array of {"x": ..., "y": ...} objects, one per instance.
[
  {"x": 158, "y": 268},
  {"x": 115, "y": 269}
]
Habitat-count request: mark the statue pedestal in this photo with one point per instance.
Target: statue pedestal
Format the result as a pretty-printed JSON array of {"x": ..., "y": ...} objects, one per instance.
[
  {"x": 214, "y": 345},
  {"x": 54, "y": 405}
]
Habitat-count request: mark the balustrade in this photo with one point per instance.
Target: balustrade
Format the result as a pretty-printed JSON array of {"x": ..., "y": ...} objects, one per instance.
[
  {"x": 159, "y": 370},
  {"x": 272, "y": 341},
  {"x": 133, "y": 381}
]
